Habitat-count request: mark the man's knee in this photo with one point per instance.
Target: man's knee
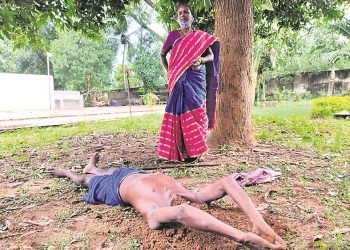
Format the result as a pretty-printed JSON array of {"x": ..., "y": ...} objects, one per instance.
[
  {"x": 85, "y": 179},
  {"x": 179, "y": 214},
  {"x": 228, "y": 181}
]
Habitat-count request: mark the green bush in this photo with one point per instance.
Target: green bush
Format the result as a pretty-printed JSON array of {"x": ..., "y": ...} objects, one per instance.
[
  {"x": 327, "y": 106},
  {"x": 150, "y": 99}
]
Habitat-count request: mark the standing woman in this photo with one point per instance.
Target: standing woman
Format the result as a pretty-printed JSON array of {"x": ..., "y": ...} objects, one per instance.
[{"x": 192, "y": 88}]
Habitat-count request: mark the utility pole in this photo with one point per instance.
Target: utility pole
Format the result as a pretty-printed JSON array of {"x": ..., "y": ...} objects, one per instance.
[{"x": 48, "y": 55}]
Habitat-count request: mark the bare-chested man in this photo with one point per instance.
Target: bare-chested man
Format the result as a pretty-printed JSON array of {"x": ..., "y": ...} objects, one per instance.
[{"x": 152, "y": 195}]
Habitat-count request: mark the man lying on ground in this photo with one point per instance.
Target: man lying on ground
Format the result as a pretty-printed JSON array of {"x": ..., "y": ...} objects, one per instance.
[{"x": 152, "y": 195}]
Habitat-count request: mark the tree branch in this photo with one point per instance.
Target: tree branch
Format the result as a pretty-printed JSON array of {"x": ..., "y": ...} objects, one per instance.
[
  {"x": 145, "y": 26},
  {"x": 150, "y": 3}
]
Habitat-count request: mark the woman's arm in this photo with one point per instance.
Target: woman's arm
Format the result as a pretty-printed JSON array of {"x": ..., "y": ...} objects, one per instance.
[
  {"x": 164, "y": 60},
  {"x": 209, "y": 56},
  {"x": 167, "y": 46}
]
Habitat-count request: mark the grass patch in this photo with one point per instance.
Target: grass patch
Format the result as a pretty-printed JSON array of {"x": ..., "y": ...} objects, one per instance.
[
  {"x": 12, "y": 142},
  {"x": 288, "y": 123},
  {"x": 284, "y": 110},
  {"x": 291, "y": 124}
]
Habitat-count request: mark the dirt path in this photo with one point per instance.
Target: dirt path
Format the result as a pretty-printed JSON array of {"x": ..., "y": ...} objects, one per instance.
[{"x": 40, "y": 212}]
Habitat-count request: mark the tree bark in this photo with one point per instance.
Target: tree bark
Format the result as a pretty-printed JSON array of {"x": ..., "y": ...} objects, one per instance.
[
  {"x": 150, "y": 3},
  {"x": 234, "y": 28}
]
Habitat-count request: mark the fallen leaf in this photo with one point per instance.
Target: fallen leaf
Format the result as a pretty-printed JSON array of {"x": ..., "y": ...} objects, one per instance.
[
  {"x": 342, "y": 230},
  {"x": 262, "y": 206},
  {"x": 13, "y": 185},
  {"x": 8, "y": 224},
  {"x": 318, "y": 237},
  {"x": 28, "y": 207},
  {"x": 268, "y": 194},
  {"x": 332, "y": 193},
  {"x": 37, "y": 223}
]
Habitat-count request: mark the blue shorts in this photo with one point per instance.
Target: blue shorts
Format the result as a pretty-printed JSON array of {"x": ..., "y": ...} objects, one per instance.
[{"x": 104, "y": 189}]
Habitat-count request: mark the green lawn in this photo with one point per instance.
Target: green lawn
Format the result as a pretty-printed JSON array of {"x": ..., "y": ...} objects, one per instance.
[
  {"x": 289, "y": 124},
  {"x": 284, "y": 110},
  {"x": 11, "y": 142}
]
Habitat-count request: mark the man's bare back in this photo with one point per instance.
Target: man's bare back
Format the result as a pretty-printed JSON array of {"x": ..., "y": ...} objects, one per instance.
[{"x": 153, "y": 194}]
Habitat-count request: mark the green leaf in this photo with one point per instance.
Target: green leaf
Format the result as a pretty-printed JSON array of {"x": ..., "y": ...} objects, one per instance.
[{"x": 264, "y": 5}]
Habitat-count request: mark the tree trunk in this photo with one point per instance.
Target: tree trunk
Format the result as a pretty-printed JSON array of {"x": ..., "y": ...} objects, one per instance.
[
  {"x": 234, "y": 28},
  {"x": 91, "y": 98}
]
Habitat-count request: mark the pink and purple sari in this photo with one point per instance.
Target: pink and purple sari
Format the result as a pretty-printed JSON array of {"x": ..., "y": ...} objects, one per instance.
[{"x": 190, "y": 109}]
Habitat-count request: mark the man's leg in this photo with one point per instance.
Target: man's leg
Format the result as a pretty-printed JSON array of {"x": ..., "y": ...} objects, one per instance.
[
  {"x": 76, "y": 178},
  {"x": 229, "y": 185},
  {"x": 196, "y": 218},
  {"x": 89, "y": 171},
  {"x": 92, "y": 168}
]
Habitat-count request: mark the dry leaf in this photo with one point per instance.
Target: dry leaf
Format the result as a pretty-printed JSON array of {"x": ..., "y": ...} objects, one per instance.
[
  {"x": 268, "y": 194},
  {"x": 8, "y": 224},
  {"x": 28, "y": 207},
  {"x": 332, "y": 193},
  {"x": 342, "y": 230},
  {"x": 318, "y": 237},
  {"x": 37, "y": 223},
  {"x": 262, "y": 206}
]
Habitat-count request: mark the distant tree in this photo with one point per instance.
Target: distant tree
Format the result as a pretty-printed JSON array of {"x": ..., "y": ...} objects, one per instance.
[
  {"x": 22, "y": 61},
  {"x": 119, "y": 77},
  {"x": 82, "y": 64},
  {"x": 27, "y": 59},
  {"x": 144, "y": 60},
  {"x": 314, "y": 50}
]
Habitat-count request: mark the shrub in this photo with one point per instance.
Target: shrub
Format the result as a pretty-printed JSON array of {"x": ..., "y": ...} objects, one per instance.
[
  {"x": 150, "y": 99},
  {"x": 327, "y": 106},
  {"x": 306, "y": 95}
]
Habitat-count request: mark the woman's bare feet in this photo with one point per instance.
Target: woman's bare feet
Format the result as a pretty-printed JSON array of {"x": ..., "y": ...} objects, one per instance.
[{"x": 91, "y": 167}]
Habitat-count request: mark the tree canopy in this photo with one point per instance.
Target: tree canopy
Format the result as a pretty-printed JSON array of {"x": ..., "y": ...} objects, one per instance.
[
  {"x": 269, "y": 15},
  {"x": 22, "y": 21}
]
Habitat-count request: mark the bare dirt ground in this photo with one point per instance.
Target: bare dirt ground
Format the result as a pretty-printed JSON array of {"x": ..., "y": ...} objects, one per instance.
[{"x": 42, "y": 212}]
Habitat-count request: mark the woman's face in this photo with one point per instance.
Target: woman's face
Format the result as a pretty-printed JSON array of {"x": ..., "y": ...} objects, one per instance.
[{"x": 184, "y": 13}]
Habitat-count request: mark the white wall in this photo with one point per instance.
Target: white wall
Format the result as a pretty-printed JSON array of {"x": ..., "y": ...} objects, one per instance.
[
  {"x": 68, "y": 99},
  {"x": 24, "y": 92}
]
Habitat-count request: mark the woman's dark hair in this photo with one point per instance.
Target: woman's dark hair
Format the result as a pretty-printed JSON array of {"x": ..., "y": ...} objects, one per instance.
[{"x": 188, "y": 6}]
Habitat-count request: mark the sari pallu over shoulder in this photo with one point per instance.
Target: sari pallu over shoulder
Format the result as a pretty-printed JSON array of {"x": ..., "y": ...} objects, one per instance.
[{"x": 185, "y": 51}]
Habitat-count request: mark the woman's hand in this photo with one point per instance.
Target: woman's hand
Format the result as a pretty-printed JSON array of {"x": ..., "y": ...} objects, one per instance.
[{"x": 197, "y": 62}]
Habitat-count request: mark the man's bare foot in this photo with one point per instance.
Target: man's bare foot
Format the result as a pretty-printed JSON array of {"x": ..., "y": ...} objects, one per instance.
[
  {"x": 254, "y": 241},
  {"x": 58, "y": 172},
  {"x": 267, "y": 233},
  {"x": 90, "y": 168}
]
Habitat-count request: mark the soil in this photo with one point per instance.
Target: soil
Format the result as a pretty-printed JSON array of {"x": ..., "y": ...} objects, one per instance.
[{"x": 42, "y": 212}]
